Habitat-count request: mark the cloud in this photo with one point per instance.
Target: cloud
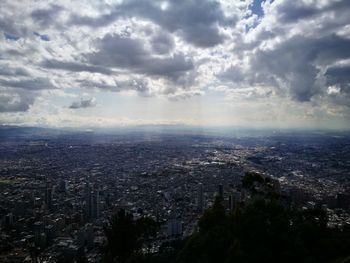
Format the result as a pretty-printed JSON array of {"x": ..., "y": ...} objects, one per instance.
[
  {"x": 74, "y": 66},
  {"x": 196, "y": 21},
  {"x": 43, "y": 37},
  {"x": 29, "y": 84},
  {"x": 12, "y": 37},
  {"x": 134, "y": 84},
  {"x": 162, "y": 43},
  {"x": 183, "y": 95},
  {"x": 292, "y": 48},
  {"x": 241, "y": 54},
  {"x": 19, "y": 95},
  {"x": 12, "y": 30},
  {"x": 15, "y": 101},
  {"x": 293, "y": 11},
  {"x": 123, "y": 52},
  {"x": 333, "y": 90},
  {"x": 48, "y": 16},
  {"x": 83, "y": 103},
  {"x": 339, "y": 75},
  {"x": 232, "y": 74},
  {"x": 7, "y": 70}
]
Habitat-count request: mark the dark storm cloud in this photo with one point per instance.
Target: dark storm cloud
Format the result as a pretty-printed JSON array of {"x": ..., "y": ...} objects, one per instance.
[
  {"x": 84, "y": 103},
  {"x": 74, "y": 66},
  {"x": 28, "y": 84},
  {"x": 120, "y": 52},
  {"x": 15, "y": 101},
  {"x": 196, "y": 21}
]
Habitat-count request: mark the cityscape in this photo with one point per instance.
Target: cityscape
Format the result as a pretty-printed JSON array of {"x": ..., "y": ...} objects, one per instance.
[
  {"x": 59, "y": 189},
  {"x": 175, "y": 131}
]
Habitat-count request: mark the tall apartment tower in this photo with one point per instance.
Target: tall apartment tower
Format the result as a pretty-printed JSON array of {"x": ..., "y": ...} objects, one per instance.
[
  {"x": 95, "y": 204},
  {"x": 233, "y": 199},
  {"x": 221, "y": 191},
  {"x": 88, "y": 201},
  {"x": 48, "y": 197},
  {"x": 200, "y": 204}
]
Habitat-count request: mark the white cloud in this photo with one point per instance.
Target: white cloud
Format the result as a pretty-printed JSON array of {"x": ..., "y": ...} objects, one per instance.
[
  {"x": 333, "y": 90},
  {"x": 217, "y": 52}
]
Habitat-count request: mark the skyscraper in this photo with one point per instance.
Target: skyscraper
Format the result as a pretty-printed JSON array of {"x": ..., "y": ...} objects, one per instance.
[
  {"x": 48, "y": 198},
  {"x": 88, "y": 201},
  {"x": 231, "y": 202},
  {"x": 95, "y": 206},
  {"x": 221, "y": 191},
  {"x": 200, "y": 200},
  {"x": 233, "y": 199}
]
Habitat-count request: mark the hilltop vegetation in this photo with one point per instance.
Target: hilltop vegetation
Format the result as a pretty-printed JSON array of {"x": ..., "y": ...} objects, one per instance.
[{"x": 263, "y": 229}]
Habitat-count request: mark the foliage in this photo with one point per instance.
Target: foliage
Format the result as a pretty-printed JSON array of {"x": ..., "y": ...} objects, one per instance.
[
  {"x": 126, "y": 237},
  {"x": 264, "y": 230}
]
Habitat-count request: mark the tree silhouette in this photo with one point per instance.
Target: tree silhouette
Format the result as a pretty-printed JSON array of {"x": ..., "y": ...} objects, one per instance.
[
  {"x": 265, "y": 229},
  {"x": 126, "y": 236},
  {"x": 262, "y": 229}
]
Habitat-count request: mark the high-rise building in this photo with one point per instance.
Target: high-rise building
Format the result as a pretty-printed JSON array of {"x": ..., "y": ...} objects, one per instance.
[
  {"x": 8, "y": 220},
  {"x": 63, "y": 185},
  {"x": 221, "y": 191},
  {"x": 107, "y": 198},
  {"x": 88, "y": 201},
  {"x": 231, "y": 202},
  {"x": 174, "y": 226},
  {"x": 200, "y": 200},
  {"x": 343, "y": 201},
  {"x": 38, "y": 228},
  {"x": 85, "y": 236},
  {"x": 48, "y": 198},
  {"x": 49, "y": 231},
  {"x": 95, "y": 206},
  {"x": 233, "y": 199}
]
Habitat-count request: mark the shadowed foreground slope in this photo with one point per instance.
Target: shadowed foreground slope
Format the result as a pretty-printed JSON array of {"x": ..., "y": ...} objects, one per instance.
[{"x": 263, "y": 229}]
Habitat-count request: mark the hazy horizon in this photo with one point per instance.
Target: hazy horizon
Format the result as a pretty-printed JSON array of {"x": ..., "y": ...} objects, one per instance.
[{"x": 185, "y": 129}]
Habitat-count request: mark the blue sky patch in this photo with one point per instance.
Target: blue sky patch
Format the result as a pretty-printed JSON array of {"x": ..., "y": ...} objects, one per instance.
[
  {"x": 11, "y": 37},
  {"x": 42, "y": 37},
  {"x": 256, "y": 8}
]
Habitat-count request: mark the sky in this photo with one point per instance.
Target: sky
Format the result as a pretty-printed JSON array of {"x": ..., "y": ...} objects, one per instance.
[{"x": 106, "y": 63}]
